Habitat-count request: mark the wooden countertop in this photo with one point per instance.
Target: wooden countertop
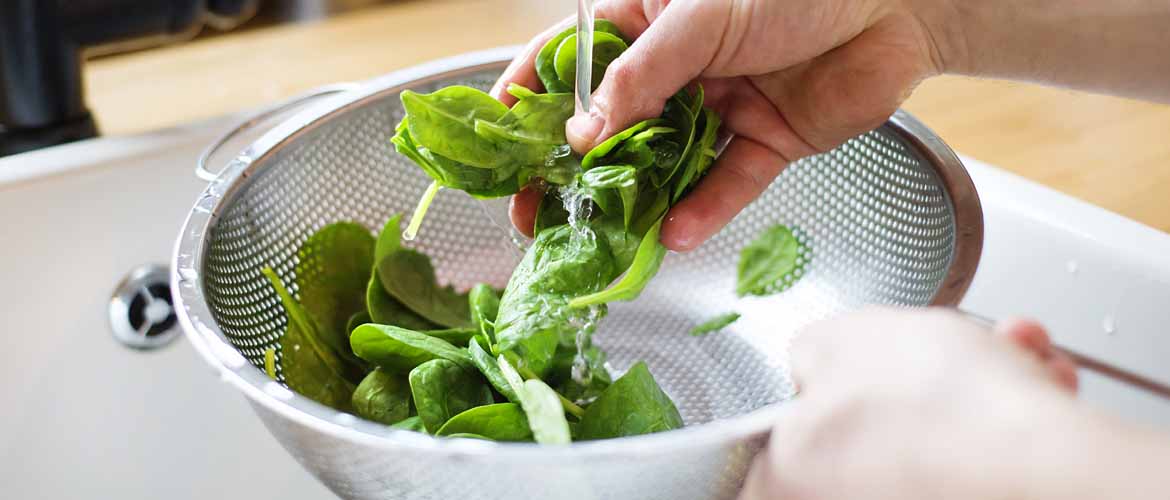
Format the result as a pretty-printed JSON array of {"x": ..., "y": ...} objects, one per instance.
[{"x": 1111, "y": 152}]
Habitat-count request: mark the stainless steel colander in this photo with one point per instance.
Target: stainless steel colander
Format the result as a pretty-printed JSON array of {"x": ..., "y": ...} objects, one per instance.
[{"x": 890, "y": 217}]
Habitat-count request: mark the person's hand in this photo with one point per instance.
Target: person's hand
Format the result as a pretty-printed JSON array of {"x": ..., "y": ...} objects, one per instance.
[
  {"x": 929, "y": 405},
  {"x": 909, "y": 405},
  {"x": 789, "y": 79}
]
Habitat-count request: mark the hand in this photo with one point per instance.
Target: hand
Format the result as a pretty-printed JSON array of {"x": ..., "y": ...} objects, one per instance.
[
  {"x": 928, "y": 405},
  {"x": 789, "y": 79}
]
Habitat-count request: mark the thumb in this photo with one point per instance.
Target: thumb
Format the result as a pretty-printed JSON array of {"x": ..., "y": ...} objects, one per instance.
[{"x": 672, "y": 52}]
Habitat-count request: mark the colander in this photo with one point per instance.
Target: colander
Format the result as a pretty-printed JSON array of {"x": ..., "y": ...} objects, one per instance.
[{"x": 891, "y": 217}]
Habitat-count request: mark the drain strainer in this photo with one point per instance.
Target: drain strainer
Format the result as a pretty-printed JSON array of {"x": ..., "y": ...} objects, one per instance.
[{"x": 142, "y": 314}]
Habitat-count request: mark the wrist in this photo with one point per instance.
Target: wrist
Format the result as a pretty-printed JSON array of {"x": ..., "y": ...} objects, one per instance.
[{"x": 942, "y": 22}]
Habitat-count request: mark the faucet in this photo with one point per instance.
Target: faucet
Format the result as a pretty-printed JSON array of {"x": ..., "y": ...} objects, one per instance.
[{"x": 43, "y": 43}]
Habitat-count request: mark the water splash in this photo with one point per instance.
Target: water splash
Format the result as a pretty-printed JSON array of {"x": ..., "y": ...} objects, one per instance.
[
  {"x": 585, "y": 323},
  {"x": 579, "y": 206}
]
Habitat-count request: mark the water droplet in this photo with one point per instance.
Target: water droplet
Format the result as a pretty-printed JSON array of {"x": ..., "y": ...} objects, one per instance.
[
  {"x": 278, "y": 391},
  {"x": 1072, "y": 267},
  {"x": 1109, "y": 324}
]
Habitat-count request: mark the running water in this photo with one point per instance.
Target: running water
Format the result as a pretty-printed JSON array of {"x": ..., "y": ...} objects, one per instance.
[{"x": 584, "y": 55}]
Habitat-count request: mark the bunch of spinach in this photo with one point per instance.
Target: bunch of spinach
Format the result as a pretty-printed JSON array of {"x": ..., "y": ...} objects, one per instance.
[
  {"x": 600, "y": 222},
  {"x": 375, "y": 334}
]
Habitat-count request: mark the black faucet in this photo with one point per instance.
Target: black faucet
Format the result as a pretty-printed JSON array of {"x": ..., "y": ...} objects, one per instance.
[{"x": 41, "y": 51}]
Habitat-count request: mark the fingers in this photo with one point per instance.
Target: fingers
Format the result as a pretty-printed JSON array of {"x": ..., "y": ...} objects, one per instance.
[
  {"x": 740, "y": 174},
  {"x": 659, "y": 63},
  {"x": 1033, "y": 338},
  {"x": 522, "y": 210}
]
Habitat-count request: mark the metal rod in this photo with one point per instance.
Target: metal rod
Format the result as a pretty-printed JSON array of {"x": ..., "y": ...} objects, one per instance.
[{"x": 1096, "y": 366}]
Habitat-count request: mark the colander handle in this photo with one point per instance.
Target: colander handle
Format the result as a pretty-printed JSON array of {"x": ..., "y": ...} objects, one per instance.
[
  {"x": 1097, "y": 366},
  {"x": 201, "y": 170}
]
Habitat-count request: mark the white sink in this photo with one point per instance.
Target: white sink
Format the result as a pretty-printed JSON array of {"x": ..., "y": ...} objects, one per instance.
[{"x": 85, "y": 417}]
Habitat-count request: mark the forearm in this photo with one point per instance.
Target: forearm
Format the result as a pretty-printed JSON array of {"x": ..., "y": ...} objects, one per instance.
[
  {"x": 1092, "y": 456},
  {"x": 1119, "y": 47}
]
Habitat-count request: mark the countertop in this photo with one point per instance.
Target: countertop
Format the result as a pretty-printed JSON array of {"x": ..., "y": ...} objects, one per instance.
[{"x": 1111, "y": 152}]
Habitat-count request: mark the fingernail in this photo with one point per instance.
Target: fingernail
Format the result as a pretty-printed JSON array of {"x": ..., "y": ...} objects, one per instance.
[{"x": 582, "y": 131}]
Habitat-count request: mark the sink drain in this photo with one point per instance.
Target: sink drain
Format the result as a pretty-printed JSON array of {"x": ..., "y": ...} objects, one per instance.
[{"x": 142, "y": 314}]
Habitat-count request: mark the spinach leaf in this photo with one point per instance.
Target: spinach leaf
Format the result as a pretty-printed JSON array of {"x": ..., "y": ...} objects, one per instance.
[
  {"x": 606, "y": 48},
  {"x": 499, "y": 422},
  {"x": 332, "y": 267},
  {"x": 633, "y": 405},
  {"x": 382, "y": 397},
  {"x": 410, "y": 424},
  {"x": 491, "y": 371},
  {"x": 308, "y": 364},
  {"x": 358, "y": 319},
  {"x": 467, "y": 435},
  {"x": 537, "y": 119},
  {"x": 644, "y": 267},
  {"x": 770, "y": 263},
  {"x": 478, "y": 182},
  {"x": 701, "y": 156},
  {"x": 407, "y": 276},
  {"x": 599, "y": 155},
  {"x": 485, "y": 306},
  {"x": 550, "y": 213},
  {"x": 534, "y": 316},
  {"x": 444, "y": 122},
  {"x": 546, "y": 59},
  {"x": 443, "y": 389},
  {"x": 714, "y": 324},
  {"x": 542, "y": 406},
  {"x": 455, "y": 336},
  {"x": 398, "y": 349},
  {"x": 620, "y": 179},
  {"x": 383, "y": 308}
]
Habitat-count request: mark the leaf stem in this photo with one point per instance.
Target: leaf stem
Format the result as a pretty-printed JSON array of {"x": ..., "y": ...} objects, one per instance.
[
  {"x": 421, "y": 211},
  {"x": 569, "y": 406}
]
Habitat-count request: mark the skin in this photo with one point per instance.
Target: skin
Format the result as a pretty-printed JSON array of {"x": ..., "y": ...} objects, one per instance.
[
  {"x": 893, "y": 405},
  {"x": 955, "y": 413},
  {"x": 797, "y": 77}
]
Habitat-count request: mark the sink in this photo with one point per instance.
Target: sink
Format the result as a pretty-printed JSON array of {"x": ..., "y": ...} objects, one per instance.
[{"x": 86, "y": 416}]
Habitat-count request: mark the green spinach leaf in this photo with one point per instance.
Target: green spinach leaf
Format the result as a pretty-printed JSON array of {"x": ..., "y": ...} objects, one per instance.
[
  {"x": 498, "y": 422},
  {"x": 714, "y": 324},
  {"x": 546, "y": 59},
  {"x": 769, "y": 263},
  {"x": 382, "y": 397},
  {"x": 308, "y": 364},
  {"x": 534, "y": 316},
  {"x": 410, "y": 424},
  {"x": 485, "y": 306},
  {"x": 444, "y": 122},
  {"x": 332, "y": 267},
  {"x": 541, "y": 404},
  {"x": 490, "y": 369},
  {"x": 398, "y": 350},
  {"x": 443, "y": 389},
  {"x": 407, "y": 276},
  {"x": 644, "y": 267},
  {"x": 633, "y": 405}
]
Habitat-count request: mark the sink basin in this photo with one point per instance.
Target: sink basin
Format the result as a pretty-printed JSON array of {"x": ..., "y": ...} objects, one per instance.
[{"x": 85, "y": 416}]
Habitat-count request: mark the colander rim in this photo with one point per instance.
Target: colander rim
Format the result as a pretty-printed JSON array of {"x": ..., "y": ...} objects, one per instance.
[{"x": 211, "y": 343}]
